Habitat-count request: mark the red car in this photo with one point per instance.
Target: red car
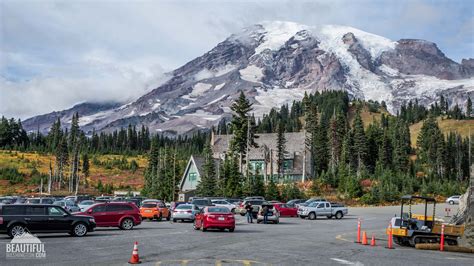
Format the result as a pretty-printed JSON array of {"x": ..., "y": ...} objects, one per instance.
[
  {"x": 124, "y": 215},
  {"x": 215, "y": 217},
  {"x": 285, "y": 210}
]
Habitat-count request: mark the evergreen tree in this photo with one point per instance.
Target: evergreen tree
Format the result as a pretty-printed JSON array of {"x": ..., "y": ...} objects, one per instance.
[
  {"x": 242, "y": 128},
  {"x": 85, "y": 167},
  {"x": 359, "y": 143},
  {"x": 281, "y": 148},
  {"x": 271, "y": 191},
  {"x": 469, "y": 108},
  {"x": 207, "y": 186}
]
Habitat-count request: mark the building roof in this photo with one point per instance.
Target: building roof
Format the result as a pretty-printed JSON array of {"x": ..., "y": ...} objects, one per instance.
[{"x": 295, "y": 143}]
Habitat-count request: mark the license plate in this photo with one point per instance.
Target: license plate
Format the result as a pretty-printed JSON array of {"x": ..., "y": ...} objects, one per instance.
[
  {"x": 221, "y": 218},
  {"x": 147, "y": 210}
]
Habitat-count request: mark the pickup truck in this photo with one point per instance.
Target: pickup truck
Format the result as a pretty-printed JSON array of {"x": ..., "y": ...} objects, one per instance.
[{"x": 322, "y": 208}]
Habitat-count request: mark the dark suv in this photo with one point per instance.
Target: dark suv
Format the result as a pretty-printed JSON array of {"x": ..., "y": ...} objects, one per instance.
[
  {"x": 201, "y": 202},
  {"x": 15, "y": 220}
]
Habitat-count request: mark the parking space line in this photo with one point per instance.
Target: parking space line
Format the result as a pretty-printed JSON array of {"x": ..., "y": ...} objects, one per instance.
[{"x": 346, "y": 262}]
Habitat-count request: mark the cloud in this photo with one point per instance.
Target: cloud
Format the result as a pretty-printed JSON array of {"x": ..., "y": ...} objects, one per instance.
[{"x": 112, "y": 50}]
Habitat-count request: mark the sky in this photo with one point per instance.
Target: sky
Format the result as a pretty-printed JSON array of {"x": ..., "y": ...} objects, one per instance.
[{"x": 54, "y": 54}]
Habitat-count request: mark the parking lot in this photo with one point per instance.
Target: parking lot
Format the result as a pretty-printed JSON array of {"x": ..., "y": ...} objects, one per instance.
[{"x": 293, "y": 241}]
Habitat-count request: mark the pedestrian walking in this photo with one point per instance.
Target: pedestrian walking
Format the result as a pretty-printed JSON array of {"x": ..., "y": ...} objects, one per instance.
[
  {"x": 265, "y": 214},
  {"x": 249, "y": 208}
]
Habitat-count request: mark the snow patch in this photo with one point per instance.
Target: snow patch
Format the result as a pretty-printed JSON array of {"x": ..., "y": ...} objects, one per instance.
[
  {"x": 204, "y": 115},
  {"x": 268, "y": 99},
  {"x": 375, "y": 44},
  {"x": 251, "y": 73},
  {"x": 220, "y": 71},
  {"x": 84, "y": 120},
  {"x": 220, "y": 86},
  {"x": 217, "y": 100},
  {"x": 277, "y": 33},
  {"x": 198, "y": 90},
  {"x": 389, "y": 71}
]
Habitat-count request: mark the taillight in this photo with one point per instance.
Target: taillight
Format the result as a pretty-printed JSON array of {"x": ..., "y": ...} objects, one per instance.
[
  {"x": 1, "y": 220},
  {"x": 211, "y": 216},
  {"x": 189, "y": 211},
  {"x": 241, "y": 204}
]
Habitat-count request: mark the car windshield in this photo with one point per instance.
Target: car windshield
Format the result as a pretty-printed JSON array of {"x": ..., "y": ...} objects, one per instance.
[
  {"x": 33, "y": 200},
  {"x": 149, "y": 205},
  {"x": 218, "y": 209},
  {"x": 184, "y": 207},
  {"x": 87, "y": 202},
  {"x": 60, "y": 203}
]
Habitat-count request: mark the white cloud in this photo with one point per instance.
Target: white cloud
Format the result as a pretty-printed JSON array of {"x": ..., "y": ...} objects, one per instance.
[{"x": 57, "y": 53}]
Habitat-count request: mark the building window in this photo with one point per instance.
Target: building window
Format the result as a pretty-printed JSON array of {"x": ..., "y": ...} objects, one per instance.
[
  {"x": 256, "y": 166},
  {"x": 287, "y": 165},
  {"x": 192, "y": 176}
]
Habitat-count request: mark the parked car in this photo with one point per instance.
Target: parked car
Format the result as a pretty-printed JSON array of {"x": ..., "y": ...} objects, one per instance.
[
  {"x": 79, "y": 198},
  {"x": 67, "y": 205},
  {"x": 103, "y": 199},
  {"x": 215, "y": 217},
  {"x": 256, "y": 204},
  {"x": 322, "y": 208},
  {"x": 453, "y": 200},
  {"x": 85, "y": 204},
  {"x": 124, "y": 215},
  {"x": 185, "y": 212},
  {"x": 175, "y": 204},
  {"x": 155, "y": 210},
  {"x": 236, "y": 202},
  {"x": 224, "y": 203},
  {"x": 294, "y": 202},
  {"x": 201, "y": 202},
  {"x": 254, "y": 198},
  {"x": 285, "y": 210},
  {"x": 273, "y": 215},
  {"x": 40, "y": 201},
  {"x": 306, "y": 203},
  {"x": 17, "y": 219},
  {"x": 7, "y": 200}
]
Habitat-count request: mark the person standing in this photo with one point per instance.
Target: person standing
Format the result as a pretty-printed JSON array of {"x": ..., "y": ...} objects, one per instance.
[
  {"x": 249, "y": 208},
  {"x": 265, "y": 214}
]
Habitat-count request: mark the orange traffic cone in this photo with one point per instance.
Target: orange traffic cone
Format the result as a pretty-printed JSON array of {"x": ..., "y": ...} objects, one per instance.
[
  {"x": 135, "y": 259},
  {"x": 364, "y": 238},
  {"x": 372, "y": 242}
]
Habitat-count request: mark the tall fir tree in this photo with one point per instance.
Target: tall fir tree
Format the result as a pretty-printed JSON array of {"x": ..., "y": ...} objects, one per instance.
[
  {"x": 207, "y": 186},
  {"x": 281, "y": 149}
]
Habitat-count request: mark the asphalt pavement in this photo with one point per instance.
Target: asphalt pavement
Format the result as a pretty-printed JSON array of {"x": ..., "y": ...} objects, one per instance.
[{"x": 293, "y": 241}]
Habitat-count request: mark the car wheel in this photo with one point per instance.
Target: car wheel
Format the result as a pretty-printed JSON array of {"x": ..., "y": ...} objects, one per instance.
[
  {"x": 242, "y": 214},
  {"x": 126, "y": 224},
  {"x": 80, "y": 229},
  {"x": 232, "y": 211},
  {"x": 451, "y": 202},
  {"x": 221, "y": 229},
  {"x": 231, "y": 229},
  {"x": 339, "y": 215},
  {"x": 16, "y": 230},
  {"x": 195, "y": 226},
  {"x": 204, "y": 229},
  {"x": 159, "y": 218},
  {"x": 174, "y": 220},
  {"x": 312, "y": 216},
  {"x": 329, "y": 216},
  {"x": 277, "y": 221}
]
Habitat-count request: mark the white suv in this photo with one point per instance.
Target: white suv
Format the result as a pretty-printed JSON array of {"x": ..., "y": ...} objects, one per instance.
[{"x": 453, "y": 200}]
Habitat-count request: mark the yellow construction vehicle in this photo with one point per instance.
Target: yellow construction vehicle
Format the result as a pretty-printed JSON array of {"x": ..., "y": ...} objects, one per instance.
[{"x": 410, "y": 229}]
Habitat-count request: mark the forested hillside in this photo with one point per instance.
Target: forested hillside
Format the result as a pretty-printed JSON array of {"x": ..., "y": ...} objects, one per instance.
[{"x": 359, "y": 151}]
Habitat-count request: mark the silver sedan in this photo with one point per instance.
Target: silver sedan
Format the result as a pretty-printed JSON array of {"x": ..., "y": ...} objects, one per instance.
[{"x": 185, "y": 212}]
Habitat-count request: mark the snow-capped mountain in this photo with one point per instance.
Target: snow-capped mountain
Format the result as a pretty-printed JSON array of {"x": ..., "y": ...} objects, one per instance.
[{"x": 277, "y": 62}]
